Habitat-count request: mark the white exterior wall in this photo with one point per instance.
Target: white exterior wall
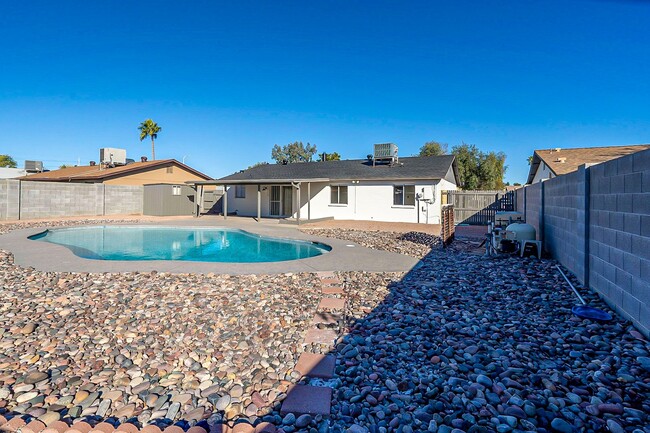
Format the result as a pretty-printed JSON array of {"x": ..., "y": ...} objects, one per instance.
[
  {"x": 542, "y": 173},
  {"x": 367, "y": 201},
  {"x": 10, "y": 173}
]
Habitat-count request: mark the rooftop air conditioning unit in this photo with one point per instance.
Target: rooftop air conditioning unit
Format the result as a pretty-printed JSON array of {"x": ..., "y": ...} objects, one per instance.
[
  {"x": 385, "y": 152},
  {"x": 34, "y": 166},
  {"x": 112, "y": 156}
]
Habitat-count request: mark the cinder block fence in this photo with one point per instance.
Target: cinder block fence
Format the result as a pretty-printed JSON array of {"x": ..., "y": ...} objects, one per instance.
[
  {"x": 29, "y": 199},
  {"x": 596, "y": 222}
]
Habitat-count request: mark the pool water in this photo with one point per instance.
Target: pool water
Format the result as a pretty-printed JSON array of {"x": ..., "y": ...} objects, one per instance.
[{"x": 178, "y": 243}]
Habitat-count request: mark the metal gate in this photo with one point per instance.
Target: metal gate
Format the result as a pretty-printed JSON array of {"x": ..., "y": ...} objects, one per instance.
[{"x": 479, "y": 207}]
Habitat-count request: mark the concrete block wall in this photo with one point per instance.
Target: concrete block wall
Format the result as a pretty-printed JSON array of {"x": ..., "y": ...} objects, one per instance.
[
  {"x": 596, "y": 222},
  {"x": 9, "y": 199},
  {"x": 520, "y": 200},
  {"x": 30, "y": 200},
  {"x": 565, "y": 202},
  {"x": 122, "y": 199},
  {"x": 533, "y": 210},
  {"x": 3, "y": 199},
  {"x": 619, "y": 247},
  {"x": 54, "y": 199}
]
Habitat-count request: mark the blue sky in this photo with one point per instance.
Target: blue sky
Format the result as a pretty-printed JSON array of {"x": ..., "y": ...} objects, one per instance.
[{"x": 228, "y": 80}]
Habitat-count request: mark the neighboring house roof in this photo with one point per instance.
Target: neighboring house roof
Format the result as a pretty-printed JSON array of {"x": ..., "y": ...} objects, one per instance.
[
  {"x": 429, "y": 167},
  {"x": 563, "y": 161},
  {"x": 94, "y": 173}
]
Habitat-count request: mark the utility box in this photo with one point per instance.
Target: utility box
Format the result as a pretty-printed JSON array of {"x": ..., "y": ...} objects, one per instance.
[
  {"x": 385, "y": 152},
  {"x": 168, "y": 200},
  {"x": 34, "y": 166},
  {"x": 111, "y": 155}
]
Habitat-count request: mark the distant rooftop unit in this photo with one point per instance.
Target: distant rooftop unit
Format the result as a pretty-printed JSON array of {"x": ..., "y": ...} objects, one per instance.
[
  {"x": 34, "y": 166},
  {"x": 385, "y": 152},
  {"x": 112, "y": 156}
]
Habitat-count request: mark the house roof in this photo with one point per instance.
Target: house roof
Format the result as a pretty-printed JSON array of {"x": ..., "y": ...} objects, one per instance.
[
  {"x": 95, "y": 173},
  {"x": 429, "y": 167},
  {"x": 563, "y": 161}
]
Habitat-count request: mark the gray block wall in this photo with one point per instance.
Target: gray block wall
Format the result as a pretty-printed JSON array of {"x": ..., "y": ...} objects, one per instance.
[
  {"x": 124, "y": 200},
  {"x": 3, "y": 199},
  {"x": 30, "y": 200},
  {"x": 533, "y": 212},
  {"x": 54, "y": 199},
  {"x": 619, "y": 259},
  {"x": 564, "y": 232},
  {"x": 520, "y": 200},
  {"x": 596, "y": 222}
]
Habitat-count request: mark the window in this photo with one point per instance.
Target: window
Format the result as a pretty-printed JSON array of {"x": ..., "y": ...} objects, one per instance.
[
  {"x": 240, "y": 191},
  {"x": 176, "y": 190},
  {"x": 339, "y": 194},
  {"x": 170, "y": 169},
  {"x": 404, "y": 195}
]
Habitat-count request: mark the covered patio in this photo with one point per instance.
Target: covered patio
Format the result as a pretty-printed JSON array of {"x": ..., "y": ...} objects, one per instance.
[{"x": 296, "y": 186}]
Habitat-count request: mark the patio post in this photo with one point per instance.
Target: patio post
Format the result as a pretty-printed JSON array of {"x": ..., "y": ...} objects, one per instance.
[
  {"x": 259, "y": 202},
  {"x": 308, "y": 201},
  {"x": 298, "y": 214},
  {"x": 201, "y": 199},
  {"x": 225, "y": 202},
  {"x": 196, "y": 201}
]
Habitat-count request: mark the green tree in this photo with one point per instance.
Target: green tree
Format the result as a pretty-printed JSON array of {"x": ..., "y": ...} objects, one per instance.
[
  {"x": 479, "y": 170},
  {"x": 334, "y": 156},
  {"x": 149, "y": 128},
  {"x": 257, "y": 164},
  {"x": 492, "y": 169},
  {"x": 7, "y": 161},
  {"x": 63, "y": 166},
  {"x": 530, "y": 160},
  {"x": 293, "y": 152},
  {"x": 433, "y": 148}
]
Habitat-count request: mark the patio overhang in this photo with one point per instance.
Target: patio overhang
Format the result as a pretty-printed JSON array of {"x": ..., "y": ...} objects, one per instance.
[
  {"x": 295, "y": 183},
  {"x": 255, "y": 181}
]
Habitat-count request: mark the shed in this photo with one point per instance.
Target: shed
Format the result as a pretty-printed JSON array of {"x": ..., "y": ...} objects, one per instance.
[{"x": 168, "y": 200}]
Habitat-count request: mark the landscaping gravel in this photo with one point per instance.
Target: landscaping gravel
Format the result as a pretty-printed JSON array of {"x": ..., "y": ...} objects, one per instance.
[
  {"x": 469, "y": 344},
  {"x": 149, "y": 346},
  {"x": 415, "y": 244},
  {"x": 460, "y": 344}
]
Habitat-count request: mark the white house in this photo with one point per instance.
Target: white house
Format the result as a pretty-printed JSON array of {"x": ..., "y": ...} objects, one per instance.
[
  {"x": 11, "y": 173},
  {"x": 405, "y": 191}
]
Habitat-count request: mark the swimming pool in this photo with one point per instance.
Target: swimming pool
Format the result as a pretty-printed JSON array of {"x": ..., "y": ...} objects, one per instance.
[{"x": 223, "y": 245}]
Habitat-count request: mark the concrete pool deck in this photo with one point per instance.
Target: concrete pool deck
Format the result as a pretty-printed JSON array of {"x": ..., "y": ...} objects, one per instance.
[{"x": 344, "y": 256}]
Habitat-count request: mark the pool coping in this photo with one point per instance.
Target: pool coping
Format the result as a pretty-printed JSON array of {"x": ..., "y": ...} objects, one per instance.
[{"x": 344, "y": 256}]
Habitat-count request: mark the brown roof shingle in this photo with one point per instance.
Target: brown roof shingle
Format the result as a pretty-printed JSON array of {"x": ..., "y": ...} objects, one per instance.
[
  {"x": 97, "y": 174},
  {"x": 562, "y": 161}
]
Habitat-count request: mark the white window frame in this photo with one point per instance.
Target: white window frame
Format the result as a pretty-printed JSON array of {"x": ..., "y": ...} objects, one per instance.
[
  {"x": 240, "y": 191},
  {"x": 338, "y": 195},
  {"x": 403, "y": 186},
  {"x": 176, "y": 190}
]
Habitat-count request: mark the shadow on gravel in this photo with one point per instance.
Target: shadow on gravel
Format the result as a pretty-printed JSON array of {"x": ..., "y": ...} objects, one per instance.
[{"x": 465, "y": 343}]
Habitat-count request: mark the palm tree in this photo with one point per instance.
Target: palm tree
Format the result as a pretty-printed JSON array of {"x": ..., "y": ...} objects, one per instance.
[{"x": 149, "y": 128}]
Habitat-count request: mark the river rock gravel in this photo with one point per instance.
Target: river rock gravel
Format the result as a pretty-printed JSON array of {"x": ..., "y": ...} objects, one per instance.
[
  {"x": 465, "y": 343},
  {"x": 416, "y": 244},
  {"x": 462, "y": 343},
  {"x": 151, "y": 345}
]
